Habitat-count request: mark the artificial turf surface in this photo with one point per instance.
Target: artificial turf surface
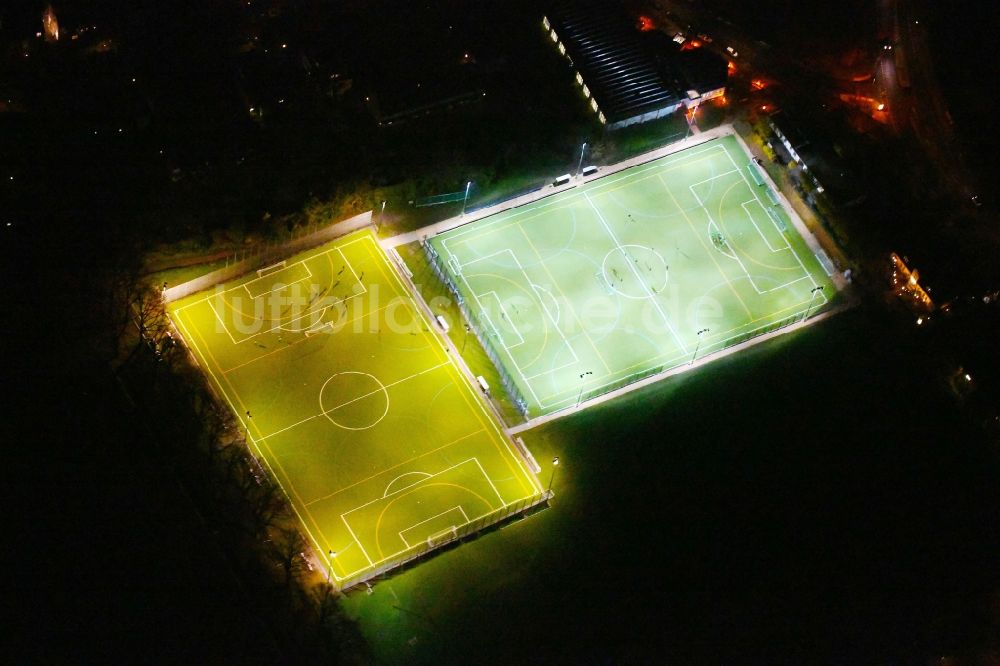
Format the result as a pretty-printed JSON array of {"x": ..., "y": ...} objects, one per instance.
[
  {"x": 355, "y": 405},
  {"x": 633, "y": 273}
]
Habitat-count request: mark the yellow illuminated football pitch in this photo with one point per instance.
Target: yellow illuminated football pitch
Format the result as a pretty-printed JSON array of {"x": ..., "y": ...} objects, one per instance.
[{"x": 356, "y": 406}]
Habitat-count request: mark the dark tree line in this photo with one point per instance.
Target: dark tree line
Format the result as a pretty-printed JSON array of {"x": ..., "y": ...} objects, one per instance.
[{"x": 243, "y": 507}]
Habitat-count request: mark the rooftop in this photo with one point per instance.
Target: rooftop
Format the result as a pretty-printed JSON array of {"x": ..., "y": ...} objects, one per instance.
[{"x": 616, "y": 65}]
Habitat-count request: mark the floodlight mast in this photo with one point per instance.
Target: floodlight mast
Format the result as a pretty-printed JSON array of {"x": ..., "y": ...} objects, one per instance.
[
  {"x": 812, "y": 298},
  {"x": 579, "y": 166},
  {"x": 466, "y": 199},
  {"x": 579, "y": 397},
  {"x": 555, "y": 464},
  {"x": 698, "y": 344}
]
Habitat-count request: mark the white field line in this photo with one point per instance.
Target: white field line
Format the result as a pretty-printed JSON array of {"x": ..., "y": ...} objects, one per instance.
[
  {"x": 290, "y": 491},
  {"x": 246, "y": 428},
  {"x": 684, "y": 162},
  {"x": 554, "y": 318},
  {"x": 680, "y": 163},
  {"x": 736, "y": 258},
  {"x": 800, "y": 227},
  {"x": 240, "y": 285},
  {"x": 794, "y": 253},
  {"x": 711, "y": 178},
  {"x": 712, "y": 225},
  {"x": 762, "y": 236},
  {"x": 527, "y": 280},
  {"x": 474, "y": 459},
  {"x": 505, "y": 315},
  {"x": 526, "y": 378},
  {"x": 396, "y": 466},
  {"x": 415, "y": 483},
  {"x": 339, "y": 249},
  {"x": 635, "y": 272},
  {"x": 357, "y": 540},
  {"x": 324, "y": 412},
  {"x": 465, "y": 518},
  {"x": 478, "y": 400},
  {"x": 246, "y": 285},
  {"x": 677, "y": 369},
  {"x": 484, "y": 313},
  {"x": 670, "y": 150},
  {"x": 318, "y": 314},
  {"x": 425, "y": 475},
  {"x": 671, "y": 362},
  {"x": 486, "y": 476}
]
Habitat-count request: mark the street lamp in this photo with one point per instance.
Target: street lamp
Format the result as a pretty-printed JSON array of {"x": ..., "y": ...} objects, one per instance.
[
  {"x": 698, "y": 344},
  {"x": 555, "y": 464},
  {"x": 812, "y": 297},
  {"x": 466, "y": 199},
  {"x": 580, "y": 396},
  {"x": 580, "y": 165}
]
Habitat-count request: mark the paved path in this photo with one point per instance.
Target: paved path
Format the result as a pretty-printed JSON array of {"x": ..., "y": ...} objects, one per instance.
[{"x": 457, "y": 221}]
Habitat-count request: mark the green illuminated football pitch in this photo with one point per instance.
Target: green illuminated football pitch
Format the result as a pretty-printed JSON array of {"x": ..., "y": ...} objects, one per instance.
[
  {"x": 633, "y": 273},
  {"x": 382, "y": 446}
]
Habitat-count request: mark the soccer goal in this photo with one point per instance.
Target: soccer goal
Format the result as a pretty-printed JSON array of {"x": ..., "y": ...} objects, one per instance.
[
  {"x": 273, "y": 268},
  {"x": 442, "y": 537}
]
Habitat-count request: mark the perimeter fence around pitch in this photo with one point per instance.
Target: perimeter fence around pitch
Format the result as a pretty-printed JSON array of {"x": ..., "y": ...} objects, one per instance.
[
  {"x": 479, "y": 327},
  {"x": 719, "y": 346},
  {"x": 453, "y": 535}
]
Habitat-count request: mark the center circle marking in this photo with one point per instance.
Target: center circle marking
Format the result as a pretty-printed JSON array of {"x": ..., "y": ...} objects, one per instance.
[
  {"x": 629, "y": 260},
  {"x": 343, "y": 393}
]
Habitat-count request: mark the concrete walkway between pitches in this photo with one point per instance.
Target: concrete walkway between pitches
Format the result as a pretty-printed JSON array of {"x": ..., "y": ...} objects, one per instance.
[{"x": 432, "y": 230}]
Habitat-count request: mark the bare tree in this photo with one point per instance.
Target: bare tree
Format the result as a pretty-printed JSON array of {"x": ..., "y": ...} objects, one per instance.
[
  {"x": 265, "y": 504},
  {"x": 287, "y": 548}
]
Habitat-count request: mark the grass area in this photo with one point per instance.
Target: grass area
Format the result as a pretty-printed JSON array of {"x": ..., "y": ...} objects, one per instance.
[
  {"x": 700, "y": 519},
  {"x": 182, "y": 274},
  {"x": 441, "y": 302},
  {"x": 356, "y": 406},
  {"x": 634, "y": 273}
]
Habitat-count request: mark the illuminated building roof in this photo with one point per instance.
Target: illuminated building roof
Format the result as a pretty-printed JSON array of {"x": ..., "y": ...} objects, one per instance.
[{"x": 606, "y": 50}]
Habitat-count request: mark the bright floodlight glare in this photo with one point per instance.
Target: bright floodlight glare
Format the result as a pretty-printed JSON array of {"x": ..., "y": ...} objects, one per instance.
[{"x": 555, "y": 461}]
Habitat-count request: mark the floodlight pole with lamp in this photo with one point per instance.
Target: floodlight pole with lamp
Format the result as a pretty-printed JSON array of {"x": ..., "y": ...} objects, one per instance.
[
  {"x": 381, "y": 214},
  {"x": 579, "y": 166},
  {"x": 466, "y": 199},
  {"x": 555, "y": 464},
  {"x": 580, "y": 396},
  {"x": 812, "y": 297},
  {"x": 329, "y": 570},
  {"x": 697, "y": 345}
]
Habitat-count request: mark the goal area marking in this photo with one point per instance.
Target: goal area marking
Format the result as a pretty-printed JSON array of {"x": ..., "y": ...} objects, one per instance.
[
  {"x": 313, "y": 316},
  {"x": 389, "y": 498},
  {"x": 770, "y": 235}
]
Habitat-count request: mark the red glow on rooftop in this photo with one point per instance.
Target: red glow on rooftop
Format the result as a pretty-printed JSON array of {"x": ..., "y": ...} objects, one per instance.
[{"x": 646, "y": 24}]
